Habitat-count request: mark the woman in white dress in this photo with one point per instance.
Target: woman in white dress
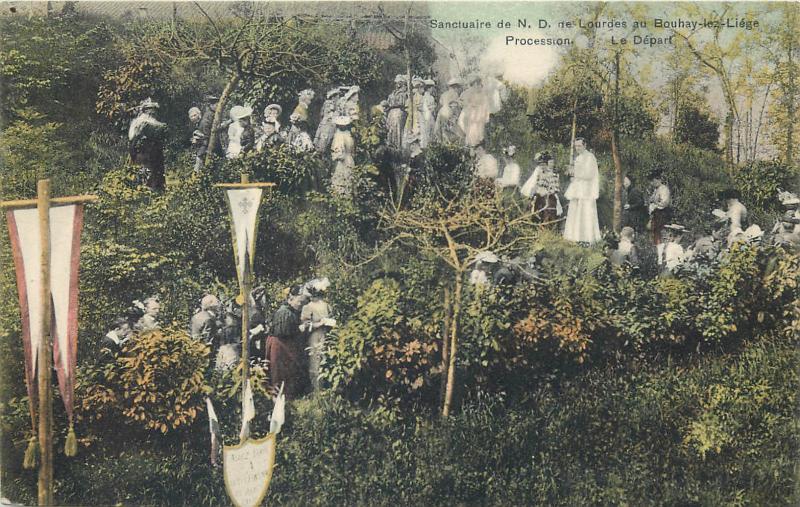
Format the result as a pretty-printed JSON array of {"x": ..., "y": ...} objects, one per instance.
[{"x": 239, "y": 132}]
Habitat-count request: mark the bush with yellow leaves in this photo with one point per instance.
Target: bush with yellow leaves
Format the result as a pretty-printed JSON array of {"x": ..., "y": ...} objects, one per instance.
[{"x": 157, "y": 382}]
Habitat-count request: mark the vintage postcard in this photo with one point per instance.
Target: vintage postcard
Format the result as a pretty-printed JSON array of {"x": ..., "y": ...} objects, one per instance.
[{"x": 399, "y": 253}]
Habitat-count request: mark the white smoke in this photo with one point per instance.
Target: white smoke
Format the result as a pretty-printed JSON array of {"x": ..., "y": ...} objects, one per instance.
[{"x": 520, "y": 65}]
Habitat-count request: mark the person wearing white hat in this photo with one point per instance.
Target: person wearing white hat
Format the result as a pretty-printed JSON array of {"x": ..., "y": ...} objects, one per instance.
[
  {"x": 454, "y": 88},
  {"x": 396, "y": 115},
  {"x": 146, "y": 144},
  {"x": 240, "y": 132},
  {"x": 326, "y": 127},
  {"x": 428, "y": 119},
  {"x": 273, "y": 112},
  {"x": 342, "y": 150}
]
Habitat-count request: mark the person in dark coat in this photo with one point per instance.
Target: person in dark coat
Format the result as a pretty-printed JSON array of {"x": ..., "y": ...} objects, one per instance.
[
  {"x": 146, "y": 144},
  {"x": 634, "y": 211},
  {"x": 286, "y": 347}
]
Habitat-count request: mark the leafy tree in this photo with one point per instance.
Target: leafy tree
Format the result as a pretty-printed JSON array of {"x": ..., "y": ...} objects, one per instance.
[
  {"x": 696, "y": 127},
  {"x": 44, "y": 61},
  {"x": 452, "y": 218}
]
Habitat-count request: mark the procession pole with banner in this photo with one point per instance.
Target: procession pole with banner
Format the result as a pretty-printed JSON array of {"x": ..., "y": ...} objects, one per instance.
[
  {"x": 45, "y": 234},
  {"x": 247, "y": 467}
]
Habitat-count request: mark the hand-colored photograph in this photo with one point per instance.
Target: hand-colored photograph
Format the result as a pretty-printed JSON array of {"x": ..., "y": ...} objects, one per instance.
[{"x": 433, "y": 253}]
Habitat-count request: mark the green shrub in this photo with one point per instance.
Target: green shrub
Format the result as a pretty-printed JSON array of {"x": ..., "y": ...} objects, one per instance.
[{"x": 382, "y": 352}]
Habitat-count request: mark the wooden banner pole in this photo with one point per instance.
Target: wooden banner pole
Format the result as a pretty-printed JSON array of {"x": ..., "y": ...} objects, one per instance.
[
  {"x": 45, "y": 352},
  {"x": 245, "y": 318}
]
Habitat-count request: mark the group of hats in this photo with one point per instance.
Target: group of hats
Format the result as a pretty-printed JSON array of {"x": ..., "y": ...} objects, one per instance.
[{"x": 402, "y": 78}]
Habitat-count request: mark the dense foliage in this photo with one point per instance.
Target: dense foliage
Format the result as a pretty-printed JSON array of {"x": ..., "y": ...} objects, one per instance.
[{"x": 584, "y": 384}]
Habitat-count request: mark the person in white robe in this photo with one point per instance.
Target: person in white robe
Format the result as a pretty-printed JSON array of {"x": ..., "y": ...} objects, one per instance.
[
  {"x": 582, "y": 224},
  {"x": 474, "y": 113}
]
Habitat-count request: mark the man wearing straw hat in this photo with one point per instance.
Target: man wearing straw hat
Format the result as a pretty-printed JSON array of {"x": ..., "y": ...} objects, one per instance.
[{"x": 146, "y": 144}]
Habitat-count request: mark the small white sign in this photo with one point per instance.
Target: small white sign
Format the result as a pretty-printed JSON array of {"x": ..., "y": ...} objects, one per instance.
[{"x": 247, "y": 469}]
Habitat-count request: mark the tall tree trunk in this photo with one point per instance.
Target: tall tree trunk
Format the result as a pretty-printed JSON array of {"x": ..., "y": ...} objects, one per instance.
[
  {"x": 448, "y": 320},
  {"x": 760, "y": 121},
  {"x": 451, "y": 370},
  {"x": 790, "y": 109},
  {"x": 617, "y": 220},
  {"x": 617, "y": 182},
  {"x": 233, "y": 82},
  {"x": 729, "y": 139}
]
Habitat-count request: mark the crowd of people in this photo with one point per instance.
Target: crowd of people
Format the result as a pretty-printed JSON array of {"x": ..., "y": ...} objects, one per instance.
[{"x": 292, "y": 339}]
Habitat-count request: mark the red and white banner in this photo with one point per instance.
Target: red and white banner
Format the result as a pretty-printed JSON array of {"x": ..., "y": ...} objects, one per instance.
[{"x": 65, "y": 233}]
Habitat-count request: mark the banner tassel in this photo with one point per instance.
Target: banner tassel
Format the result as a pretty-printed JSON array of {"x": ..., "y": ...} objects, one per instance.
[
  {"x": 71, "y": 445},
  {"x": 31, "y": 459}
]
